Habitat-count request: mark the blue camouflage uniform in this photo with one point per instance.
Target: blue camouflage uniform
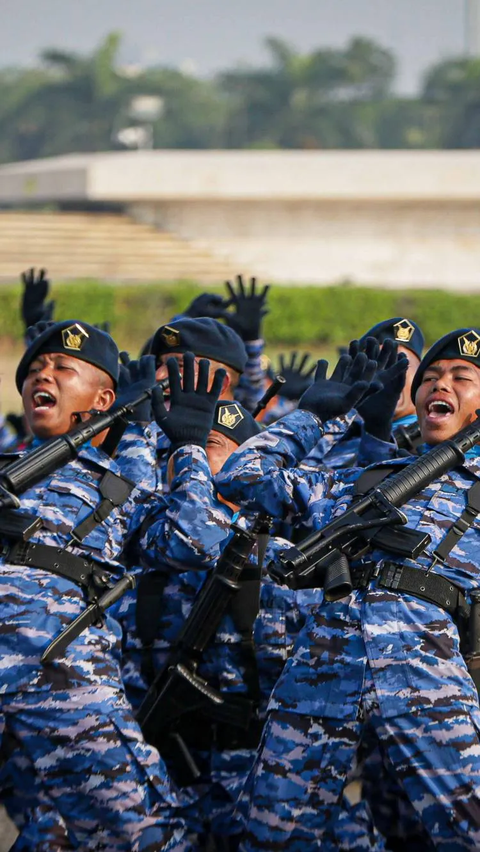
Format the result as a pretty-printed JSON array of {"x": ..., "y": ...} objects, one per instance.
[
  {"x": 379, "y": 660},
  {"x": 351, "y": 448},
  {"x": 70, "y": 718}
]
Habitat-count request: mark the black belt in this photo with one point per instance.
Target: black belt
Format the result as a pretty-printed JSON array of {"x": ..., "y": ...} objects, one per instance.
[
  {"x": 84, "y": 572},
  {"x": 422, "y": 584}
]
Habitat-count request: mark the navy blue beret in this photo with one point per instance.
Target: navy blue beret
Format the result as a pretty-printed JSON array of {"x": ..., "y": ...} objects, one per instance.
[
  {"x": 77, "y": 339},
  {"x": 406, "y": 332},
  {"x": 234, "y": 421},
  {"x": 205, "y": 337},
  {"x": 464, "y": 343}
]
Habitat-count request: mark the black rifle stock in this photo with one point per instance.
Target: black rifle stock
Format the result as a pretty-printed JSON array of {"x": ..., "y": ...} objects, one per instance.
[
  {"x": 322, "y": 558},
  {"x": 178, "y": 688}
]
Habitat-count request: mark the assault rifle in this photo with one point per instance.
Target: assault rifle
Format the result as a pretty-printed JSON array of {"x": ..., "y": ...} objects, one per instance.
[
  {"x": 178, "y": 688},
  {"x": 373, "y": 520}
]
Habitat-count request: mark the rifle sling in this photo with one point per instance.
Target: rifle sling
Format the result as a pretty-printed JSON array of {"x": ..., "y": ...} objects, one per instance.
[
  {"x": 150, "y": 590},
  {"x": 461, "y": 525},
  {"x": 115, "y": 491},
  {"x": 83, "y": 571}
]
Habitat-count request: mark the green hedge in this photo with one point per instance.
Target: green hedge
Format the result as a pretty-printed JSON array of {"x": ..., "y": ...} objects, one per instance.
[{"x": 298, "y": 315}]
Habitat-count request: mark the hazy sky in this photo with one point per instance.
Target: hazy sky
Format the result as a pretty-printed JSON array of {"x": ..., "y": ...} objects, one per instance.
[{"x": 207, "y": 35}]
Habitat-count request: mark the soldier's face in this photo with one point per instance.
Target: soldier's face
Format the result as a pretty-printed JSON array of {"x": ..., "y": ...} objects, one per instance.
[
  {"x": 56, "y": 387},
  {"x": 447, "y": 399},
  {"x": 405, "y": 405},
  {"x": 219, "y": 448}
]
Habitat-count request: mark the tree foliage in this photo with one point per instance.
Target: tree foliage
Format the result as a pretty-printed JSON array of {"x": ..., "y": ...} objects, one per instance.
[{"x": 327, "y": 98}]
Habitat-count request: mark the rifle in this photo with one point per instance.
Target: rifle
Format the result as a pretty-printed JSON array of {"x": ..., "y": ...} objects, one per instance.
[
  {"x": 178, "y": 688},
  {"x": 268, "y": 395},
  {"x": 322, "y": 559}
]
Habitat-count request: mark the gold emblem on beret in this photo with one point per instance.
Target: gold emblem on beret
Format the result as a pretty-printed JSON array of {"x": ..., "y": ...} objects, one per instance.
[
  {"x": 229, "y": 416},
  {"x": 469, "y": 344},
  {"x": 74, "y": 337},
  {"x": 170, "y": 335},
  {"x": 403, "y": 331}
]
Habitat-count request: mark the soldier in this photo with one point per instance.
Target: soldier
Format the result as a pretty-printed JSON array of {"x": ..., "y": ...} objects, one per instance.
[
  {"x": 384, "y": 658},
  {"x": 222, "y": 345},
  {"x": 164, "y": 600},
  {"x": 69, "y": 720}
]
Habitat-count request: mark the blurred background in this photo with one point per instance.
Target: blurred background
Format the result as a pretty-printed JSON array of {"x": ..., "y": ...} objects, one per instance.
[{"x": 149, "y": 150}]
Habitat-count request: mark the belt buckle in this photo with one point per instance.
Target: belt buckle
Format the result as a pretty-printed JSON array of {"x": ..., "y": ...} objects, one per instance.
[{"x": 390, "y": 575}]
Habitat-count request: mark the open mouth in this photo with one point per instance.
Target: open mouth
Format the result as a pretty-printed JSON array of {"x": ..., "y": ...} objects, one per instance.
[
  {"x": 42, "y": 401},
  {"x": 439, "y": 409}
]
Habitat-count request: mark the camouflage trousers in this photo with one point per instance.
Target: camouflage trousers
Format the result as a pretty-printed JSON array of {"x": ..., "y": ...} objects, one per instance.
[
  {"x": 81, "y": 776},
  {"x": 294, "y": 794}
]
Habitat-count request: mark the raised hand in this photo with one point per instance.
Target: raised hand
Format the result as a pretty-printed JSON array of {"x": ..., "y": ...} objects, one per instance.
[
  {"x": 351, "y": 378},
  {"x": 298, "y": 374},
  {"x": 249, "y": 308},
  {"x": 35, "y": 330},
  {"x": 35, "y": 290},
  {"x": 378, "y": 407},
  {"x": 192, "y": 406},
  {"x": 207, "y": 305}
]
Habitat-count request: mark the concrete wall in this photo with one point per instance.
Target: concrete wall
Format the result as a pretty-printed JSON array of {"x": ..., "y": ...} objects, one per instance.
[
  {"x": 410, "y": 244},
  {"x": 394, "y": 218}
]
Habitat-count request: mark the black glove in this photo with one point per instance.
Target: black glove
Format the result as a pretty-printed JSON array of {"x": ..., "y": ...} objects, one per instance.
[
  {"x": 370, "y": 346},
  {"x": 33, "y": 306},
  {"x": 135, "y": 377},
  {"x": 207, "y": 305},
  {"x": 192, "y": 405},
  {"x": 34, "y": 331},
  {"x": 249, "y": 309},
  {"x": 329, "y": 398},
  {"x": 378, "y": 407},
  {"x": 298, "y": 375}
]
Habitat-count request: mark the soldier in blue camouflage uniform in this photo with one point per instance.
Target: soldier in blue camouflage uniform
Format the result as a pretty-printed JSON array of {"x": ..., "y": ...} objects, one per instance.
[
  {"x": 379, "y": 660},
  {"x": 70, "y": 720},
  {"x": 223, "y": 771}
]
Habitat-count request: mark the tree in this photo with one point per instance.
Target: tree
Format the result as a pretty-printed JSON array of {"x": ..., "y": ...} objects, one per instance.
[{"x": 453, "y": 88}]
